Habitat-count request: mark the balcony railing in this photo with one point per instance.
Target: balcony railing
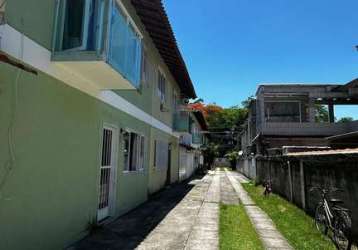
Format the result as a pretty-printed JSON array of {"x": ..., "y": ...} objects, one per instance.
[
  {"x": 186, "y": 139},
  {"x": 307, "y": 129},
  {"x": 181, "y": 122},
  {"x": 98, "y": 41},
  {"x": 197, "y": 138}
]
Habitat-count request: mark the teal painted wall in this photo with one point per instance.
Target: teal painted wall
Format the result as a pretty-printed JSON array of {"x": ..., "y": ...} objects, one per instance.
[
  {"x": 51, "y": 192},
  {"x": 158, "y": 176},
  {"x": 34, "y": 18},
  {"x": 147, "y": 98}
]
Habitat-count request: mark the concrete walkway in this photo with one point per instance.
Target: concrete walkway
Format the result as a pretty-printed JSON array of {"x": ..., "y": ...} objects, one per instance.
[
  {"x": 185, "y": 216},
  {"x": 270, "y": 237}
]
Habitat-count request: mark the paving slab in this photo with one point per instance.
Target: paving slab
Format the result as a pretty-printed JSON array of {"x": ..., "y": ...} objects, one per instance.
[
  {"x": 228, "y": 196},
  {"x": 213, "y": 194},
  {"x": 185, "y": 216},
  {"x": 264, "y": 226},
  {"x": 205, "y": 233}
]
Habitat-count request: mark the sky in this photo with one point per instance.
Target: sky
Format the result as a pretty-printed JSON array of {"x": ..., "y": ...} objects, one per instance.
[{"x": 231, "y": 46}]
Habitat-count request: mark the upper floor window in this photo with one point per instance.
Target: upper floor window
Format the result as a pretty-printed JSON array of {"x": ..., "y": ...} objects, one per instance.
[
  {"x": 284, "y": 111},
  {"x": 125, "y": 46},
  {"x": 2, "y": 11},
  {"x": 78, "y": 24},
  {"x": 134, "y": 151},
  {"x": 175, "y": 101},
  {"x": 96, "y": 30},
  {"x": 161, "y": 87},
  {"x": 161, "y": 151},
  {"x": 144, "y": 69}
]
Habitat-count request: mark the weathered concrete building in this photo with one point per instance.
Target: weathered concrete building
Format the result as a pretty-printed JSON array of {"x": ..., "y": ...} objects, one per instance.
[
  {"x": 286, "y": 141},
  {"x": 286, "y": 115}
]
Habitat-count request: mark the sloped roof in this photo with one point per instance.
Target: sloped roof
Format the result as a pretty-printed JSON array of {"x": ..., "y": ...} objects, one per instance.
[{"x": 156, "y": 22}]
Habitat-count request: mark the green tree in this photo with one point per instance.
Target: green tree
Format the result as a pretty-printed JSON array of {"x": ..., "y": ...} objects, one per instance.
[
  {"x": 227, "y": 119},
  {"x": 247, "y": 102},
  {"x": 210, "y": 152},
  {"x": 345, "y": 119},
  {"x": 232, "y": 157},
  {"x": 321, "y": 113}
]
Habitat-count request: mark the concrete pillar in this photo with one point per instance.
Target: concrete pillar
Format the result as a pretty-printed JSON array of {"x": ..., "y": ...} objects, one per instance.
[
  {"x": 303, "y": 192},
  {"x": 311, "y": 111},
  {"x": 290, "y": 180},
  {"x": 331, "y": 112},
  {"x": 260, "y": 113}
]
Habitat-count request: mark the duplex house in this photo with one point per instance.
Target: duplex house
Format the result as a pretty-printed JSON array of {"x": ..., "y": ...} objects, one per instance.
[
  {"x": 89, "y": 91},
  {"x": 191, "y": 127},
  {"x": 286, "y": 116}
]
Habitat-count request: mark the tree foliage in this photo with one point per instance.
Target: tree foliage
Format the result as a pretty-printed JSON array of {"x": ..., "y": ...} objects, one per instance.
[
  {"x": 210, "y": 152},
  {"x": 321, "y": 113},
  {"x": 232, "y": 157},
  {"x": 223, "y": 123},
  {"x": 345, "y": 119},
  {"x": 225, "y": 118}
]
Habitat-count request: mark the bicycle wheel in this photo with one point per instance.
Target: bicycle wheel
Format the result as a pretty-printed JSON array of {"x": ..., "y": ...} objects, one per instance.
[
  {"x": 321, "y": 219},
  {"x": 341, "y": 230}
]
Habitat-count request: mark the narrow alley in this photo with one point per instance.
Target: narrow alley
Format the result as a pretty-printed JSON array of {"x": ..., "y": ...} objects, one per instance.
[{"x": 185, "y": 216}]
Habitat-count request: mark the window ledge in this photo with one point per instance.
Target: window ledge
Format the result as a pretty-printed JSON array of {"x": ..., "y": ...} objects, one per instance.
[
  {"x": 156, "y": 169},
  {"x": 126, "y": 172},
  {"x": 76, "y": 56}
]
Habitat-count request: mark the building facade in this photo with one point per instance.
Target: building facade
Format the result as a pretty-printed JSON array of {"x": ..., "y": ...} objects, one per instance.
[
  {"x": 88, "y": 94},
  {"x": 286, "y": 116},
  {"x": 192, "y": 137}
]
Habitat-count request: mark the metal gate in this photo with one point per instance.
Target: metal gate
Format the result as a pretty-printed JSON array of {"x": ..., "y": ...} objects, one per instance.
[{"x": 107, "y": 173}]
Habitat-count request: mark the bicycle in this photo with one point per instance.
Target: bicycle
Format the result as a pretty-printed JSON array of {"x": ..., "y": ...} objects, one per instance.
[
  {"x": 330, "y": 216},
  {"x": 268, "y": 188}
]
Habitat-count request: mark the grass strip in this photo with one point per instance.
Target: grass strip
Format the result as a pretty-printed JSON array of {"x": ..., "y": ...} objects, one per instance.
[
  {"x": 298, "y": 228},
  {"x": 236, "y": 230}
]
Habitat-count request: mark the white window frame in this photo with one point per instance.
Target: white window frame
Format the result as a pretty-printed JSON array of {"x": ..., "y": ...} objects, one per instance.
[
  {"x": 162, "y": 86},
  {"x": 85, "y": 23},
  {"x": 175, "y": 101},
  {"x": 113, "y": 175},
  {"x": 144, "y": 68},
  {"x": 138, "y": 159},
  {"x": 129, "y": 18}
]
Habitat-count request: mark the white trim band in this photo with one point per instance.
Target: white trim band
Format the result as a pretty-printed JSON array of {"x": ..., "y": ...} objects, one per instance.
[{"x": 22, "y": 48}]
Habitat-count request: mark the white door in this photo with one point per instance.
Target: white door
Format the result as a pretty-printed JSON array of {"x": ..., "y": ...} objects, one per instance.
[{"x": 107, "y": 173}]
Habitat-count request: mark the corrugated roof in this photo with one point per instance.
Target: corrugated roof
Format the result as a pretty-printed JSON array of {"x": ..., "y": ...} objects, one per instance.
[
  {"x": 156, "y": 22},
  {"x": 348, "y": 151}
]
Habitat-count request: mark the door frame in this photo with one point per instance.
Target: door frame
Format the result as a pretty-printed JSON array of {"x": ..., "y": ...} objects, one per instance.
[{"x": 113, "y": 172}]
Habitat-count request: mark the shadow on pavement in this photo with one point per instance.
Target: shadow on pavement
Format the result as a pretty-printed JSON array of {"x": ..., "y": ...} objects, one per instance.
[{"x": 129, "y": 230}]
